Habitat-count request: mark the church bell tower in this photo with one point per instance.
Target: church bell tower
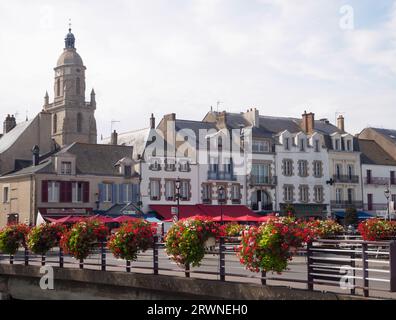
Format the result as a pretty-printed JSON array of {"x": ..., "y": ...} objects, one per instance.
[{"x": 73, "y": 119}]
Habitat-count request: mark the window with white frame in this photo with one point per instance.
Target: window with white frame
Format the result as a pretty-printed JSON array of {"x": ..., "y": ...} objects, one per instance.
[
  {"x": 236, "y": 193},
  {"x": 53, "y": 191},
  {"x": 77, "y": 192},
  {"x": 261, "y": 146},
  {"x": 337, "y": 144},
  {"x": 349, "y": 145},
  {"x": 154, "y": 189},
  {"x": 206, "y": 193},
  {"x": 107, "y": 192},
  {"x": 304, "y": 193},
  {"x": 288, "y": 193},
  {"x": 170, "y": 190},
  {"x": 338, "y": 170},
  {"x": 184, "y": 166},
  {"x": 317, "y": 169},
  {"x": 303, "y": 168},
  {"x": 351, "y": 195},
  {"x": 261, "y": 173},
  {"x": 339, "y": 195},
  {"x": 185, "y": 190},
  {"x": 287, "y": 143},
  {"x": 351, "y": 171},
  {"x": 66, "y": 167},
  {"x": 287, "y": 167},
  {"x": 318, "y": 193},
  {"x": 302, "y": 144},
  {"x": 316, "y": 145},
  {"x": 127, "y": 192}
]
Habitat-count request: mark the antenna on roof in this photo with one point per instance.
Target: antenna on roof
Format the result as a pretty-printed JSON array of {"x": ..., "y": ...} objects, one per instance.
[
  {"x": 111, "y": 125},
  {"x": 218, "y": 104}
]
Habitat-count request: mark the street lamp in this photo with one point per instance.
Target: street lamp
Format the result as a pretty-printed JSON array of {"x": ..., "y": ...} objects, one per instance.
[
  {"x": 221, "y": 198},
  {"x": 177, "y": 185},
  {"x": 387, "y": 196}
]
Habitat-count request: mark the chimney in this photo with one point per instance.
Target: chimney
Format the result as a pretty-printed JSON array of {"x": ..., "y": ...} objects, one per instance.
[
  {"x": 36, "y": 155},
  {"x": 252, "y": 115},
  {"x": 114, "y": 138},
  {"x": 9, "y": 124},
  {"x": 152, "y": 121},
  {"x": 341, "y": 123},
  {"x": 308, "y": 122}
]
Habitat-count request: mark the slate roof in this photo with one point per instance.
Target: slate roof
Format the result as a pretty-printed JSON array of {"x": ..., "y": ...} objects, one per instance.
[
  {"x": 95, "y": 159},
  {"x": 8, "y": 139},
  {"x": 372, "y": 153}
]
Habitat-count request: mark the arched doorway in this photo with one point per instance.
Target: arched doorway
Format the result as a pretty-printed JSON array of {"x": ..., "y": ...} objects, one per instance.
[{"x": 261, "y": 201}]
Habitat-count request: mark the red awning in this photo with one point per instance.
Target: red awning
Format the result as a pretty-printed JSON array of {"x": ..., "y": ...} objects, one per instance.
[
  {"x": 121, "y": 219},
  {"x": 186, "y": 211},
  {"x": 67, "y": 219}
]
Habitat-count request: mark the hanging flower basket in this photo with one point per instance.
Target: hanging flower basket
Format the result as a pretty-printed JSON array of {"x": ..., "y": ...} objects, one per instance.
[{"x": 12, "y": 237}]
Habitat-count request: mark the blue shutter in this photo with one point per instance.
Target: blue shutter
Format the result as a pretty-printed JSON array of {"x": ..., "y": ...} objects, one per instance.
[
  {"x": 101, "y": 192},
  {"x": 121, "y": 191},
  {"x": 114, "y": 196}
]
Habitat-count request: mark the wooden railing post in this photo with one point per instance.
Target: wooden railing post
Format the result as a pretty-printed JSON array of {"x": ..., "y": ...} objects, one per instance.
[
  {"x": 310, "y": 284},
  {"x": 43, "y": 259},
  {"x": 353, "y": 266},
  {"x": 60, "y": 257},
  {"x": 155, "y": 255},
  {"x": 365, "y": 269},
  {"x": 102, "y": 256},
  {"x": 81, "y": 264},
  {"x": 11, "y": 259},
  {"x": 128, "y": 266},
  {"x": 263, "y": 278},
  {"x": 392, "y": 265},
  {"x": 26, "y": 255},
  {"x": 222, "y": 259}
]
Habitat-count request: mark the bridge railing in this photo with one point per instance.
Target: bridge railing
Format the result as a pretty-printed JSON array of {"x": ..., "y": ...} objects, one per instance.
[{"x": 343, "y": 266}]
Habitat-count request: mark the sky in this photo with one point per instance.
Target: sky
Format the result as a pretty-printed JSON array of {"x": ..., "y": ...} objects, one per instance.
[{"x": 183, "y": 56}]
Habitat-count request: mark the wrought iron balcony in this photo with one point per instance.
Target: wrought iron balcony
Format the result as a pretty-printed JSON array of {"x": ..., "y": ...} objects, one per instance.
[
  {"x": 379, "y": 181},
  {"x": 344, "y": 178},
  {"x": 262, "y": 180},
  {"x": 346, "y": 204},
  {"x": 220, "y": 175}
]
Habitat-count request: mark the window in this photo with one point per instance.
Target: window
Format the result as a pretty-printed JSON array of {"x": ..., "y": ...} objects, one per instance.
[
  {"x": 302, "y": 144},
  {"x": 155, "y": 165},
  {"x": 6, "y": 194},
  {"x": 288, "y": 193},
  {"x": 236, "y": 193},
  {"x": 66, "y": 167},
  {"x": 338, "y": 170},
  {"x": 261, "y": 146},
  {"x": 304, "y": 194},
  {"x": 170, "y": 165},
  {"x": 78, "y": 86},
  {"x": 55, "y": 124},
  {"x": 287, "y": 167},
  {"x": 184, "y": 166},
  {"x": 349, "y": 145},
  {"x": 287, "y": 143},
  {"x": 337, "y": 144},
  {"x": 316, "y": 145},
  {"x": 154, "y": 189},
  {"x": 213, "y": 165},
  {"x": 339, "y": 195},
  {"x": 261, "y": 173},
  {"x": 318, "y": 193},
  {"x": 77, "y": 192},
  {"x": 127, "y": 171},
  {"x": 392, "y": 177},
  {"x": 350, "y": 195},
  {"x": 206, "y": 193},
  {"x": 394, "y": 201},
  {"x": 368, "y": 173},
  {"x": 79, "y": 122},
  {"x": 107, "y": 192},
  {"x": 303, "y": 168},
  {"x": 185, "y": 190},
  {"x": 53, "y": 191},
  {"x": 317, "y": 169},
  {"x": 222, "y": 193},
  {"x": 170, "y": 190},
  {"x": 58, "y": 87},
  {"x": 127, "y": 193},
  {"x": 351, "y": 171}
]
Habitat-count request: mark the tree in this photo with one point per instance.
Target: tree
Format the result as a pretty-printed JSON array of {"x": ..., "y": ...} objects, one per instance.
[{"x": 351, "y": 217}]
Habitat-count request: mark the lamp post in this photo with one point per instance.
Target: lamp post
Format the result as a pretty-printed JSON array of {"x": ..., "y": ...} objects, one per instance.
[
  {"x": 387, "y": 196},
  {"x": 177, "y": 186},
  {"x": 221, "y": 198}
]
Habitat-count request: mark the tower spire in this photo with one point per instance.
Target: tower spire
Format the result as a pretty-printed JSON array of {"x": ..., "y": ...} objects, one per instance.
[{"x": 70, "y": 39}]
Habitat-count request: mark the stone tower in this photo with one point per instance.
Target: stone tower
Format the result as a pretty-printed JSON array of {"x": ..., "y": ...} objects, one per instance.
[{"x": 73, "y": 119}]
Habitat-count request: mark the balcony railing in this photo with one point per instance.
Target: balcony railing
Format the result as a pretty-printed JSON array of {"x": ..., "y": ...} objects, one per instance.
[
  {"x": 379, "y": 181},
  {"x": 219, "y": 175},
  {"x": 263, "y": 180},
  {"x": 346, "y": 178},
  {"x": 346, "y": 204},
  {"x": 375, "y": 206}
]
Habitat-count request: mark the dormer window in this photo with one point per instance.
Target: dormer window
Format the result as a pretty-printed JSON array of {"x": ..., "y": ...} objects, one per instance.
[
  {"x": 128, "y": 171},
  {"x": 66, "y": 167},
  {"x": 316, "y": 145},
  {"x": 184, "y": 166},
  {"x": 302, "y": 144},
  {"x": 337, "y": 144},
  {"x": 349, "y": 145},
  {"x": 287, "y": 143},
  {"x": 261, "y": 146},
  {"x": 155, "y": 166}
]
